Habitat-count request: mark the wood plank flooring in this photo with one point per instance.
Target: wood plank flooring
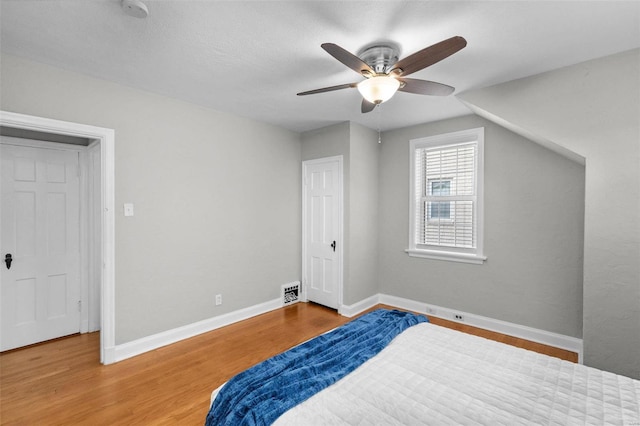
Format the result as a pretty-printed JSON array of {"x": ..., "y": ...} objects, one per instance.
[{"x": 63, "y": 383}]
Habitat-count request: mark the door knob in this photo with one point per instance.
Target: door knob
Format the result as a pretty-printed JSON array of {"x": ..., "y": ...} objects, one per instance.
[
  {"x": 333, "y": 245},
  {"x": 8, "y": 259}
]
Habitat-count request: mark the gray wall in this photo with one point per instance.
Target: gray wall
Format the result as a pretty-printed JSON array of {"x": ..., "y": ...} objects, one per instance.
[
  {"x": 359, "y": 148},
  {"x": 534, "y": 204},
  {"x": 593, "y": 109},
  {"x": 212, "y": 192},
  {"x": 363, "y": 217}
]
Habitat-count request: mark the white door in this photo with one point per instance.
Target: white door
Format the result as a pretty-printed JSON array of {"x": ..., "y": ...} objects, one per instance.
[
  {"x": 322, "y": 223},
  {"x": 40, "y": 225}
]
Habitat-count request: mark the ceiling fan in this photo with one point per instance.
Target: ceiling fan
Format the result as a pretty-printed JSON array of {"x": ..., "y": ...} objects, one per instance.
[{"x": 384, "y": 74}]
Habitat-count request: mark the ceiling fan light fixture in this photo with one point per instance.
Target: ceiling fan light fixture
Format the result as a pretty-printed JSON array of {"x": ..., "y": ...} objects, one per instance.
[{"x": 378, "y": 89}]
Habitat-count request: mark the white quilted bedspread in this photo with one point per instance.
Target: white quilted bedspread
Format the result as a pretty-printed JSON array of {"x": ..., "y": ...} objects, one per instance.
[{"x": 436, "y": 376}]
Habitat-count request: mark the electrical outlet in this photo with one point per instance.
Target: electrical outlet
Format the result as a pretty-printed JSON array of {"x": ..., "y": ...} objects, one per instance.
[
  {"x": 458, "y": 317},
  {"x": 218, "y": 299}
]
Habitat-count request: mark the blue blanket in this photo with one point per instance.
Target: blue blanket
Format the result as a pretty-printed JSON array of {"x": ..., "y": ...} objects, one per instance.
[{"x": 259, "y": 395}]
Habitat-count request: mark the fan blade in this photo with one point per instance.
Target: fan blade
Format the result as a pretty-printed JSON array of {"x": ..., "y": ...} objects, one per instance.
[
  {"x": 328, "y": 89},
  {"x": 367, "y": 106},
  {"x": 429, "y": 56},
  {"x": 424, "y": 87},
  {"x": 349, "y": 59}
]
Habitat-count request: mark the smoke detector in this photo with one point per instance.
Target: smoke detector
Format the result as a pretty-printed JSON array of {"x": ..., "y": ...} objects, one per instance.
[{"x": 135, "y": 8}]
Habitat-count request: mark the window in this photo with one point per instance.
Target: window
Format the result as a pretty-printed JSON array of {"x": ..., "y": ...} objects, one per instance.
[
  {"x": 446, "y": 196},
  {"x": 439, "y": 209}
]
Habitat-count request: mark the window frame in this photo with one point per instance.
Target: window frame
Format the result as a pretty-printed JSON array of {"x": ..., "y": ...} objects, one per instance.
[{"x": 473, "y": 255}]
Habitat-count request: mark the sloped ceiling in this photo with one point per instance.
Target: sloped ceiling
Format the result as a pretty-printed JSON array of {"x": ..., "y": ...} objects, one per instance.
[
  {"x": 593, "y": 109},
  {"x": 251, "y": 58}
]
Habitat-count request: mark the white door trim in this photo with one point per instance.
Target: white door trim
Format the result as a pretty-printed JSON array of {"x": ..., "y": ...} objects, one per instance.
[
  {"x": 105, "y": 138},
  {"x": 340, "y": 239}
]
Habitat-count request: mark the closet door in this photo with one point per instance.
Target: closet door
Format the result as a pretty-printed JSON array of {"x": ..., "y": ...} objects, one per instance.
[
  {"x": 40, "y": 225},
  {"x": 322, "y": 245}
]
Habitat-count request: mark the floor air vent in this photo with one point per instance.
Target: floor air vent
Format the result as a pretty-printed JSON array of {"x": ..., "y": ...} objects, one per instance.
[{"x": 290, "y": 293}]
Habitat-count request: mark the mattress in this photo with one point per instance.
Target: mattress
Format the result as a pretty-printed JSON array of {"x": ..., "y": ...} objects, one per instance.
[{"x": 432, "y": 375}]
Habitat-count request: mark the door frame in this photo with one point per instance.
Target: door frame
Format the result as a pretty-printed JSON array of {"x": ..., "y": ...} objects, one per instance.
[
  {"x": 102, "y": 144},
  {"x": 340, "y": 227}
]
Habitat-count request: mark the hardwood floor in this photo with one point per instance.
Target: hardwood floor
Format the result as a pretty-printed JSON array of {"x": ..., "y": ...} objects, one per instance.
[{"x": 63, "y": 383}]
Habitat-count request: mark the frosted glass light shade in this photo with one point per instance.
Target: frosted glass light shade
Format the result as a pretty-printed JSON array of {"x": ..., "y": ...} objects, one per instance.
[{"x": 378, "y": 89}]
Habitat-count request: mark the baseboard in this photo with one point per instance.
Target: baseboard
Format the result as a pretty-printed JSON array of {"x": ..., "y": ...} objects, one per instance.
[
  {"x": 556, "y": 340},
  {"x": 108, "y": 355},
  {"x": 361, "y": 306},
  {"x": 149, "y": 343}
]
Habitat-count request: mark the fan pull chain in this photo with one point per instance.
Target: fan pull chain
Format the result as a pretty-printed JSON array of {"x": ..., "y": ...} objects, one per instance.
[{"x": 378, "y": 117}]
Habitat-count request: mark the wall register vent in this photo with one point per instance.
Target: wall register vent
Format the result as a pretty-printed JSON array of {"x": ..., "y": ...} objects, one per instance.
[{"x": 290, "y": 293}]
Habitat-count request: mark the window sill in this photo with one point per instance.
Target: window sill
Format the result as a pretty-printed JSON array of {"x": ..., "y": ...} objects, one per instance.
[{"x": 447, "y": 255}]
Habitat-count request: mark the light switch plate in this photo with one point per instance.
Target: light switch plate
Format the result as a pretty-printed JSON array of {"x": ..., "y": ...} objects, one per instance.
[{"x": 128, "y": 209}]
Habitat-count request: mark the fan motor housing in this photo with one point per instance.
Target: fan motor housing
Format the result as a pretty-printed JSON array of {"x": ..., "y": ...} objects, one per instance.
[{"x": 380, "y": 56}]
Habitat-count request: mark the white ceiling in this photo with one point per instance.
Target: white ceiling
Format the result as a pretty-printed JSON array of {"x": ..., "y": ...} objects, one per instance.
[{"x": 251, "y": 58}]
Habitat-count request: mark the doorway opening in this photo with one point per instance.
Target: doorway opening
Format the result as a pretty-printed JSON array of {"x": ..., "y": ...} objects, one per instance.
[{"x": 99, "y": 228}]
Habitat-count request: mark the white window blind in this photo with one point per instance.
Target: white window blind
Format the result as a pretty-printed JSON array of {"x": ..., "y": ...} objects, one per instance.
[
  {"x": 446, "y": 205},
  {"x": 447, "y": 193}
]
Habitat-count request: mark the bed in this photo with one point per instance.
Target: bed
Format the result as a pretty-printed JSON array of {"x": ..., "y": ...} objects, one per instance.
[{"x": 395, "y": 368}]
